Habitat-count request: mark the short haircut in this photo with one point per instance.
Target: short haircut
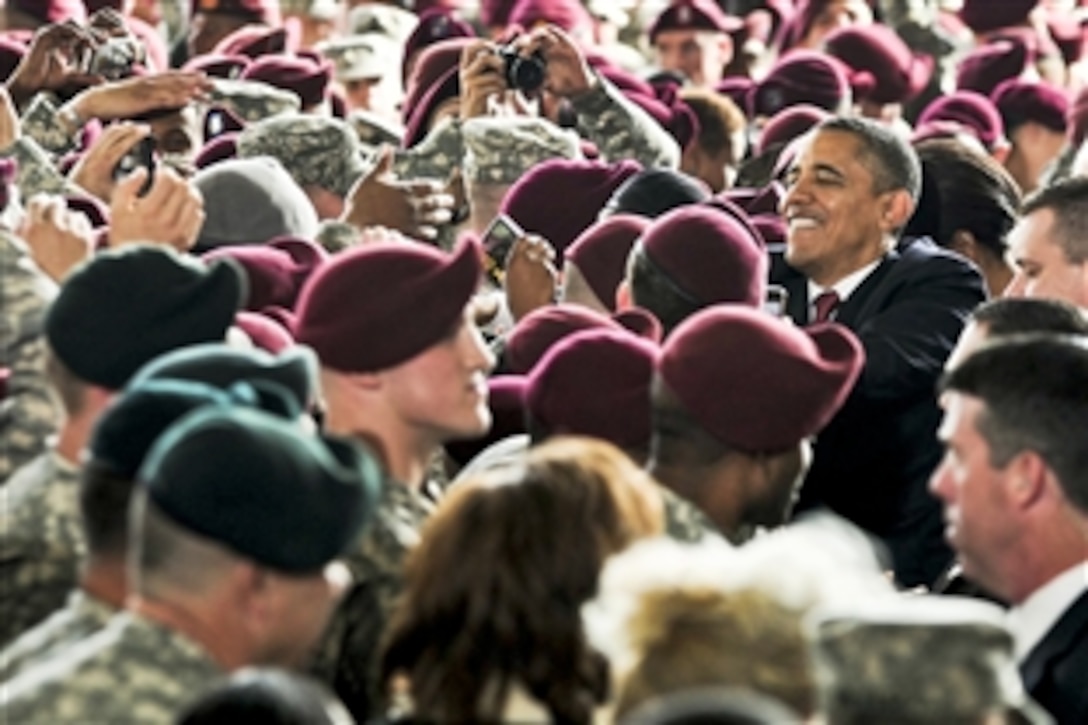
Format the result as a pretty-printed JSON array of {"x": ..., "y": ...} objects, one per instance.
[
  {"x": 719, "y": 122},
  {"x": 975, "y": 194},
  {"x": 1068, "y": 200},
  {"x": 677, "y": 439},
  {"x": 1035, "y": 392},
  {"x": 103, "y": 506},
  {"x": 652, "y": 289},
  {"x": 1019, "y": 316},
  {"x": 165, "y": 557},
  {"x": 889, "y": 158}
]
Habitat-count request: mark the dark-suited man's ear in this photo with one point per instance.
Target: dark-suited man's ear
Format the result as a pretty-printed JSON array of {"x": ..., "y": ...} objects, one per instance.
[{"x": 898, "y": 206}]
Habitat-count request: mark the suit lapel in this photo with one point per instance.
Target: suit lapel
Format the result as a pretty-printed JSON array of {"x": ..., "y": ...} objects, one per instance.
[{"x": 1065, "y": 634}]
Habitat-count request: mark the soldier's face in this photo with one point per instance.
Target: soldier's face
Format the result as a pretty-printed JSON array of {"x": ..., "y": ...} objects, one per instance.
[
  {"x": 441, "y": 393},
  {"x": 978, "y": 507},
  {"x": 699, "y": 54}
]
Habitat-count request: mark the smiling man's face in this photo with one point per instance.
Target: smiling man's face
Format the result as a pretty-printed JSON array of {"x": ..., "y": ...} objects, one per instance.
[{"x": 838, "y": 221}]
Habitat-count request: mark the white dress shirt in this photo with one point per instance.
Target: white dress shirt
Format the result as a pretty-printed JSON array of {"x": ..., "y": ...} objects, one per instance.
[
  {"x": 1035, "y": 616},
  {"x": 843, "y": 288}
]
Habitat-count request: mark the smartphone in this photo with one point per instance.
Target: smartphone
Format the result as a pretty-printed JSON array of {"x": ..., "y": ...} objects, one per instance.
[
  {"x": 777, "y": 299},
  {"x": 498, "y": 239},
  {"x": 142, "y": 154}
]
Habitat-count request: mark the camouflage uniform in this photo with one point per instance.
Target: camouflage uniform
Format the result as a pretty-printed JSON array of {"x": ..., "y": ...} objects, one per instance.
[
  {"x": 29, "y": 413},
  {"x": 500, "y": 150},
  {"x": 41, "y": 123},
  {"x": 336, "y": 236},
  {"x": 347, "y": 658},
  {"x": 133, "y": 671},
  {"x": 316, "y": 151},
  {"x": 37, "y": 174},
  {"x": 621, "y": 130},
  {"x": 252, "y": 101},
  {"x": 81, "y": 617},
  {"x": 41, "y": 543},
  {"x": 616, "y": 126}
]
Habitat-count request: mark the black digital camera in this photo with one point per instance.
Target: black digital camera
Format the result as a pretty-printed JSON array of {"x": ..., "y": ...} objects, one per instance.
[{"x": 525, "y": 73}]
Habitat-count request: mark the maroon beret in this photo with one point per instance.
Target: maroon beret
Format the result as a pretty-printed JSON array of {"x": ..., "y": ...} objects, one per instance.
[
  {"x": 772, "y": 227},
  {"x": 801, "y": 76},
  {"x": 263, "y": 11},
  {"x": 434, "y": 79},
  {"x": 595, "y": 383},
  {"x": 253, "y": 41},
  {"x": 306, "y": 78},
  {"x": 974, "y": 112},
  {"x": 52, "y": 11},
  {"x": 276, "y": 271},
  {"x": 694, "y": 15},
  {"x": 641, "y": 322},
  {"x": 433, "y": 27},
  {"x": 758, "y": 383},
  {"x": 379, "y": 305},
  {"x": 789, "y": 124},
  {"x": 221, "y": 148},
  {"x": 1021, "y": 102},
  {"x": 763, "y": 200},
  {"x": 738, "y": 89},
  {"x": 988, "y": 66},
  {"x": 539, "y": 330},
  {"x": 882, "y": 67},
  {"x": 984, "y": 16},
  {"x": 567, "y": 14},
  {"x": 710, "y": 254},
  {"x": 496, "y": 13},
  {"x": 219, "y": 66},
  {"x": 264, "y": 332},
  {"x": 560, "y": 198},
  {"x": 600, "y": 253}
]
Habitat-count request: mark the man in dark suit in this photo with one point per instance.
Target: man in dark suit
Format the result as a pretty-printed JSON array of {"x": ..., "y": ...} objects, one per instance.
[
  {"x": 1014, "y": 484},
  {"x": 851, "y": 189}
]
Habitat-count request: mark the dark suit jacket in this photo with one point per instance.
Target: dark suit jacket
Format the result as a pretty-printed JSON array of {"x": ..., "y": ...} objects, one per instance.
[
  {"x": 1056, "y": 672},
  {"x": 873, "y": 461}
]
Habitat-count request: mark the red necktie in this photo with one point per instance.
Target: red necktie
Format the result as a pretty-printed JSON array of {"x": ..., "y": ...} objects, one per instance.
[{"x": 824, "y": 304}]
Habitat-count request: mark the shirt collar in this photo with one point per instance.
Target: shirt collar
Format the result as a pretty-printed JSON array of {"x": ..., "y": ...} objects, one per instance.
[
  {"x": 1036, "y": 615},
  {"x": 845, "y": 286}
]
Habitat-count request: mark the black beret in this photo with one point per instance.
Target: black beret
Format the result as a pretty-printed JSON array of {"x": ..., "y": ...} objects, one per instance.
[
  {"x": 262, "y": 487},
  {"x": 135, "y": 419},
  {"x": 220, "y": 365},
  {"x": 125, "y": 307}
]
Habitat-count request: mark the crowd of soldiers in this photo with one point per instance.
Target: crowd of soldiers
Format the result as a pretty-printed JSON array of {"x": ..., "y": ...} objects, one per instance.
[{"x": 649, "y": 361}]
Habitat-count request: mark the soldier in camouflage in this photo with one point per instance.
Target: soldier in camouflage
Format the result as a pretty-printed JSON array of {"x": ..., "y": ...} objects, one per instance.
[
  {"x": 603, "y": 115},
  {"x": 404, "y": 395},
  {"x": 217, "y": 490},
  {"x": 28, "y": 414},
  {"x": 96, "y": 342},
  {"x": 118, "y": 446},
  {"x": 322, "y": 154},
  {"x": 730, "y": 433}
]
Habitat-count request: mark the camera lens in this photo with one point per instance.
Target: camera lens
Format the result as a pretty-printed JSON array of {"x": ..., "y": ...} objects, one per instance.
[{"x": 524, "y": 73}]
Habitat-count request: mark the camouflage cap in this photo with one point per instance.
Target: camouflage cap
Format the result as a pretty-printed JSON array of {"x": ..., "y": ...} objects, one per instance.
[
  {"x": 388, "y": 20},
  {"x": 500, "y": 150},
  {"x": 252, "y": 100},
  {"x": 374, "y": 130},
  {"x": 316, "y": 9},
  {"x": 315, "y": 150},
  {"x": 916, "y": 660},
  {"x": 363, "y": 56}
]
